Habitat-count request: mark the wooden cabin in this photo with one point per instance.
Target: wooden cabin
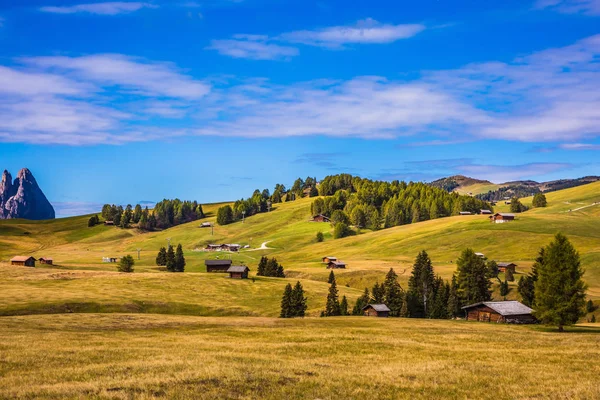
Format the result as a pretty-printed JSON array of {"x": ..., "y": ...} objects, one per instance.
[
  {"x": 327, "y": 260},
  {"x": 480, "y": 255},
  {"x": 376, "y": 310},
  {"x": 205, "y": 225},
  {"x": 500, "y": 218},
  {"x": 485, "y": 212},
  {"x": 503, "y": 266},
  {"x": 47, "y": 261},
  {"x": 510, "y": 312},
  {"x": 217, "y": 265},
  {"x": 109, "y": 223},
  {"x": 336, "y": 264},
  {"x": 24, "y": 261},
  {"x": 320, "y": 218},
  {"x": 238, "y": 272},
  {"x": 464, "y": 213}
]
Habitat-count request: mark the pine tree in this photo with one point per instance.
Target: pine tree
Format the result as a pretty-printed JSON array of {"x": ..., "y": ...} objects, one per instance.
[
  {"x": 393, "y": 295},
  {"x": 170, "y": 259},
  {"x": 560, "y": 290},
  {"x": 286, "y": 302},
  {"x": 539, "y": 200},
  {"x": 161, "y": 258},
  {"x": 126, "y": 264},
  {"x": 332, "y": 306},
  {"x": 320, "y": 237},
  {"x": 589, "y": 306},
  {"x": 473, "y": 283},
  {"x": 404, "y": 311},
  {"x": 279, "y": 273},
  {"x": 137, "y": 213},
  {"x": 420, "y": 285},
  {"x": 331, "y": 277},
  {"x": 526, "y": 286},
  {"x": 262, "y": 266},
  {"x": 344, "y": 306},
  {"x": 377, "y": 294},
  {"x": 509, "y": 275},
  {"x": 503, "y": 288},
  {"x": 361, "y": 302},
  {"x": 179, "y": 259},
  {"x": 453, "y": 309},
  {"x": 298, "y": 301}
]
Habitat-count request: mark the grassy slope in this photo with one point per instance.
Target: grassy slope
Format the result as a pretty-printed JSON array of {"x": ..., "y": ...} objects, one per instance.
[
  {"x": 77, "y": 249},
  {"x": 137, "y": 356}
]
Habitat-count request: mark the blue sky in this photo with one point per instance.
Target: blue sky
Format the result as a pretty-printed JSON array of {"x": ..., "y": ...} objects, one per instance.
[{"x": 208, "y": 100}]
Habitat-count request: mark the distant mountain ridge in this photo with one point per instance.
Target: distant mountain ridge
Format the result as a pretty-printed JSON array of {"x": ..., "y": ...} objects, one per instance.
[
  {"x": 23, "y": 198},
  {"x": 521, "y": 188}
]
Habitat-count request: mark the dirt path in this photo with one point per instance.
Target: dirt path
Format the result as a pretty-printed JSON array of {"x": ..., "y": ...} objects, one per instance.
[{"x": 262, "y": 247}]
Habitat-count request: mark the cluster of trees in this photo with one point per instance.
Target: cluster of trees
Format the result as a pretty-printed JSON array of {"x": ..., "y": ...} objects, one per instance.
[
  {"x": 166, "y": 213},
  {"x": 173, "y": 260},
  {"x": 126, "y": 264},
  {"x": 539, "y": 200},
  {"x": 516, "y": 206},
  {"x": 261, "y": 202},
  {"x": 509, "y": 191},
  {"x": 333, "y": 306},
  {"x": 372, "y": 204},
  {"x": 293, "y": 303},
  {"x": 93, "y": 221},
  {"x": 270, "y": 267}
]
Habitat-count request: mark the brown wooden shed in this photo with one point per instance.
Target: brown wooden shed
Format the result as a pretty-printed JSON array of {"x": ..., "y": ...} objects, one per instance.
[
  {"x": 327, "y": 260},
  {"x": 512, "y": 312},
  {"x": 503, "y": 266},
  {"x": 336, "y": 264},
  {"x": 238, "y": 272},
  {"x": 320, "y": 218},
  {"x": 45, "y": 260},
  {"x": 500, "y": 218},
  {"x": 376, "y": 310},
  {"x": 217, "y": 265},
  {"x": 25, "y": 261}
]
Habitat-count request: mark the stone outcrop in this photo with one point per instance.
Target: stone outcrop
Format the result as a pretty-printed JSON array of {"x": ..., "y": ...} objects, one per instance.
[{"x": 23, "y": 198}]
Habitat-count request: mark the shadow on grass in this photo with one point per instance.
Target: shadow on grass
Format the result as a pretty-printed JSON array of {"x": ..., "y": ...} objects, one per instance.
[{"x": 568, "y": 329}]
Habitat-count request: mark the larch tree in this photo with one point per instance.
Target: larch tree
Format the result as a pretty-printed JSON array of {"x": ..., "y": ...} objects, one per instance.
[
  {"x": 473, "y": 282},
  {"x": 298, "y": 301},
  {"x": 344, "y": 306},
  {"x": 170, "y": 259},
  {"x": 361, "y": 302},
  {"x": 161, "y": 258},
  {"x": 332, "y": 306},
  {"x": 286, "y": 302},
  {"x": 559, "y": 289},
  {"x": 393, "y": 294},
  {"x": 179, "y": 259}
]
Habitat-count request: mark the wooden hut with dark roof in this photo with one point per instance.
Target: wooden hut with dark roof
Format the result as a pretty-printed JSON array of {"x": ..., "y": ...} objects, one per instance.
[
  {"x": 46, "y": 260},
  {"x": 512, "y": 312},
  {"x": 503, "y": 266},
  {"x": 24, "y": 261},
  {"x": 217, "y": 265},
  {"x": 238, "y": 272},
  {"x": 376, "y": 310},
  {"x": 338, "y": 264},
  {"x": 320, "y": 218}
]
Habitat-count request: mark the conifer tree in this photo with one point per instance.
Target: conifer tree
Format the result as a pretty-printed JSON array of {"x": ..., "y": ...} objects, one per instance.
[
  {"x": 453, "y": 309},
  {"x": 509, "y": 275},
  {"x": 361, "y": 302},
  {"x": 279, "y": 271},
  {"x": 526, "y": 286},
  {"x": 126, "y": 264},
  {"x": 404, "y": 311},
  {"x": 539, "y": 200},
  {"x": 179, "y": 259},
  {"x": 331, "y": 277},
  {"x": 560, "y": 290},
  {"x": 298, "y": 301},
  {"x": 420, "y": 285},
  {"x": 161, "y": 258},
  {"x": 286, "y": 302},
  {"x": 332, "y": 306},
  {"x": 377, "y": 294},
  {"x": 473, "y": 283},
  {"x": 137, "y": 213},
  {"x": 344, "y": 306},
  {"x": 262, "y": 266},
  {"x": 170, "y": 259},
  {"x": 589, "y": 306},
  {"x": 393, "y": 295},
  {"x": 503, "y": 288}
]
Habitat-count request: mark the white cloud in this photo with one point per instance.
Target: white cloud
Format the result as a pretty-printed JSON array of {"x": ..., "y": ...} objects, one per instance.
[
  {"x": 107, "y": 8},
  {"x": 136, "y": 75},
  {"x": 589, "y": 7},
  {"x": 505, "y": 173},
  {"x": 252, "y": 47},
  {"x": 363, "y": 32},
  {"x": 579, "y": 146}
]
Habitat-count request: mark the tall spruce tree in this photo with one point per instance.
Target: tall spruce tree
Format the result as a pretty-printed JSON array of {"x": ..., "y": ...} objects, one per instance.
[
  {"x": 262, "y": 266},
  {"x": 560, "y": 290},
  {"x": 179, "y": 259},
  {"x": 286, "y": 302},
  {"x": 332, "y": 306},
  {"x": 298, "y": 301},
  {"x": 377, "y": 294},
  {"x": 420, "y": 285},
  {"x": 393, "y": 294},
  {"x": 361, "y": 302},
  {"x": 161, "y": 258},
  {"x": 170, "y": 259},
  {"x": 331, "y": 277},
  {"x": 344, "y": 306},
  {"x": 526, "y": 286},
  {"x": 454, "y": 305},
  {"x": 473, "y": 282}
]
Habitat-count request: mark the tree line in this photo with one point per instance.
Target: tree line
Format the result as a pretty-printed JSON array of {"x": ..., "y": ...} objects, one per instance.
[
  {"x": 270, "y": 267},
  {"x": 174, "y": 260},
  {"x": 166, "y": 214}
]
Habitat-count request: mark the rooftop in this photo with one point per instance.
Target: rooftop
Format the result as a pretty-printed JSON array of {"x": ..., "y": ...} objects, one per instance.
[
  {"x": 377, "y": 307},
  {"x": 504, "y": 308},
  {"x": 238, "y": 268},
  {"x": 217, "y": 262},
  {"x": 21, "y": 258}
]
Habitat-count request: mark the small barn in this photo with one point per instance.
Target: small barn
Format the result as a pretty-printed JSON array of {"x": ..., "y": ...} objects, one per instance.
[
  {"x": 376, "y": 310},
  {"x": 231, "y": 247},
  {"x": 480, "y": 255},
  {"x": 328, "y": 259},
  {"x": 24, "y": 261},
  {"x": 511, "y": 312},
  {"x": 320, "y": 218},
  {"x": 238, "y": 272},
  {"x": 465, "y": 213},
  {"x": 45, "y": 260},
  {"x": 500, "y": 218},
  {"x": 213, "y": 247},
  {"x": 503, "y": 266},
  {"x": 489, "y": 212},
  {"x": 336, "y": 264},
  {"x": 205, "y": 225},
  {"x": 109, "y": 223},
  {"x": 217, "y": 265}
]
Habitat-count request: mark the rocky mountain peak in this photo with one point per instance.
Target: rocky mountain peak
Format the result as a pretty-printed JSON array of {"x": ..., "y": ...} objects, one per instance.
[{"x": 23, "y": 198}]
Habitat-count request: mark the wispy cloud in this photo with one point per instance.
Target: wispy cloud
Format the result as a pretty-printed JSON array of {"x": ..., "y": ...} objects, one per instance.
[
  {"x": 263, "y": 47},
  {"x": 107, "y": 8},
  {"x": 579, "y": 146},
  {"x": 505, "y": 173},
  {"x": 589, "y": 7},
  {"x": 254, "y": 47}
]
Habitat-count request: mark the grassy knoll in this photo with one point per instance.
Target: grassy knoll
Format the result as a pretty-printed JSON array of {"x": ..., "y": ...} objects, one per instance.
[{"x": 148, "y": 356}]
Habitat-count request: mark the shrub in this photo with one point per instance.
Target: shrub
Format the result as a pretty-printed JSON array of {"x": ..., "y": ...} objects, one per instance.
[
  {"x": 126, "y": 264},
  {"x": 341, "y": 230},
  {"x": 320, "y": 237}
]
